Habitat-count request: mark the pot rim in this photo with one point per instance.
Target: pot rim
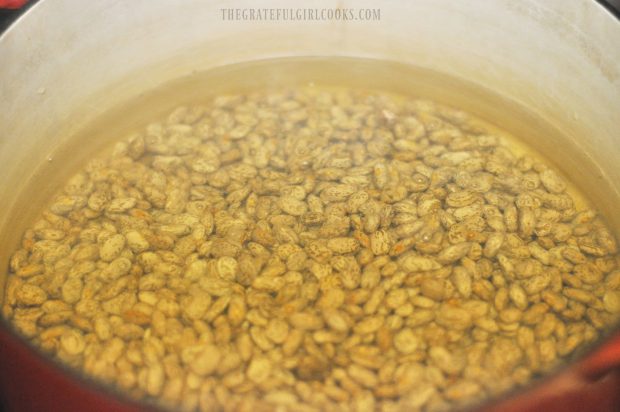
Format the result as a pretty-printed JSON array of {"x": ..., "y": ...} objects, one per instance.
[{"x": 578, "y": 358}]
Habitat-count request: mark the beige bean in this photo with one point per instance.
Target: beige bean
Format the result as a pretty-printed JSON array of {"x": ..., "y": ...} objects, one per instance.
[
  {"x": 406, "y": 341},
  {"x": 206, "y": 360},
  {"x": 112, "y": 247},
  {"x": 259, "y": 369},
  {"x": 28, "y": 294}
]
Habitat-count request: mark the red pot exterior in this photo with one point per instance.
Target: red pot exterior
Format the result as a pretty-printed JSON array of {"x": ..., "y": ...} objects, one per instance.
[
  {"x": 592, "y": 385},
  {"x": 12, "y": 4},
  {"x": 30, "y": 383}
]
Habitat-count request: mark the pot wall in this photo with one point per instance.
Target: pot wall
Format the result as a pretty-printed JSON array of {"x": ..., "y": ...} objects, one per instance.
[
  {"x": 558, "y": 58},
  {"x": 72, "y": 60}
]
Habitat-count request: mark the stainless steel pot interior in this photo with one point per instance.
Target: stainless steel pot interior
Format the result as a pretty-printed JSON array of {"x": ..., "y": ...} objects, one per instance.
[{"x": 558, "y": 58}]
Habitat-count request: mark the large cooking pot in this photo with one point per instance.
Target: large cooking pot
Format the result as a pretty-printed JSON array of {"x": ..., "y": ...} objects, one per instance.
[{"x": 66, "y": 62}]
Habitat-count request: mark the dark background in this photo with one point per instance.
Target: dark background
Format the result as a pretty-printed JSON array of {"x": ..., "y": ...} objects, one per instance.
[{"x": 7, "y": 16}]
